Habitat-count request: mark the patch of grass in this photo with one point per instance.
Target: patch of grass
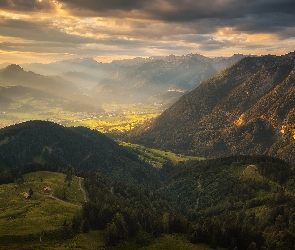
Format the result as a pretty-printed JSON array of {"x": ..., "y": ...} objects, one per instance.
[
  {"x": 158, "y": 157},
  {"x": 169, "y": 242},
  {"x": 20, "y": 216},
  {"x": 251, "y": 172},
  {"x": 177, "y": 242},
  {"x": 92, "y": 240}
]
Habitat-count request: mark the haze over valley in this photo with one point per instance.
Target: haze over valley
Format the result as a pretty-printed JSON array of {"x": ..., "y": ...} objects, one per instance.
[
  {"x": 147, "y": 124},
  {"x": 138, "y": 87}
]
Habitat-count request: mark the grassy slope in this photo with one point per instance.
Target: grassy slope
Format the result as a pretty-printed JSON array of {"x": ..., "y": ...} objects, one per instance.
[
  {"x": 158, "y": 157},
  {"x": 166, "y": 242},
  {"x": 20, "y": 216},
  {"x": 94, "y": 240},
  {"x": 175, "y": 242}
]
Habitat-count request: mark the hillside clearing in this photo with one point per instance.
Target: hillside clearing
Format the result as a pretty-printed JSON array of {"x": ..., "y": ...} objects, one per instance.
[{"x": 40, "y": 212}]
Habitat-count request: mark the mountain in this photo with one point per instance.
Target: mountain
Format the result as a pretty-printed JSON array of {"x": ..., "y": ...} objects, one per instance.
[
  {"x": 247, "y": 108},
  {"x": 18, "y": 99},
  {"x": 84, "y": 73},
  {"x": 86, "y": 65},
  {"x": 40, "y": 141},
  {"x": 151, "y": 79},
  {"x": 28, "y": 89},
  {"x": 15, "y": 75},
  {"x": 154, "y": 79}
]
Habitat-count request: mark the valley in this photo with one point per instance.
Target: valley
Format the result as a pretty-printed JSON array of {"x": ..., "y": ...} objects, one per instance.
[
  {"x": 116, "y": 118},
  {"x": 147, "y": 125},
  {"x": 149, "y": 155}
]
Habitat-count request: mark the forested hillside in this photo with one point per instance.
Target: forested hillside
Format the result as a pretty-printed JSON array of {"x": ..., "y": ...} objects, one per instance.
[
  {"x": 40, "y": 141},
  {"x": 239, "y": 201},
  {"x": 246, "y": 109},
  {"x": 235, "y": 202}
]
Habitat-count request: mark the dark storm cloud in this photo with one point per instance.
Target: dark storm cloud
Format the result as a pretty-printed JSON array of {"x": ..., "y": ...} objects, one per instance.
[
  {"x": 245, "y": 15},
  {"x": 146, "y": 28},
  {"x": 185, "y": 10},
  {"x": 102, "y": 5},
  {"x": 27, "y": 5},
  {"x": 272, "y": 23}
]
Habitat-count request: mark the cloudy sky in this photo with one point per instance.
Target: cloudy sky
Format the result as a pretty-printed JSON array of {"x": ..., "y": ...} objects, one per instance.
[{"x": 52, "y": 30}]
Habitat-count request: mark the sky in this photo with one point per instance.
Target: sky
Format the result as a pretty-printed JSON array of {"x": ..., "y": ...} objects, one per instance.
[{"x": 53, "y": 30}]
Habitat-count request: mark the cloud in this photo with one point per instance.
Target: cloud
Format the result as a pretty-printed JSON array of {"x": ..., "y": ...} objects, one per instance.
[
  {"x": 28, "y": 5},
  {"x": 38, "y": 30},
  {"x": 146, "y": 28},
  {"x": 185, "y": 10},
  {"x": 275, "y": 23},
  {"x": 243, "y": 15}
]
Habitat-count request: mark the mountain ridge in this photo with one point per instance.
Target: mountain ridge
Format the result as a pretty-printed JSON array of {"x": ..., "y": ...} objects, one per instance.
[
  {"x": 139, "y": 79},
  {"x": 240, "y": 110}
]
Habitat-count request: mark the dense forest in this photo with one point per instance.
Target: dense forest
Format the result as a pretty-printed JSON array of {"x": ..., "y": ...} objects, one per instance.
[
  {"x": 238, "y": 202},
  {"x": 40, "y": 141}
]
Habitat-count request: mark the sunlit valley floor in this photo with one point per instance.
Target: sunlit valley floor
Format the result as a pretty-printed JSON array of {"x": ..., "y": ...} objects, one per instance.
[{"x": 115, "y": 118}]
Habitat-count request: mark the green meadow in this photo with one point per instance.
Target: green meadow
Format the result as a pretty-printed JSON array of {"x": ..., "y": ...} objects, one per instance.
[
  {"x": 156, "y": 156},
  {"x": 41, "y": 212}
]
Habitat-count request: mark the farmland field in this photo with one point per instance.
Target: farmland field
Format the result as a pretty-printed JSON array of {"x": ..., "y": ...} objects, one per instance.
[
  {"x": 119, "y": 117},
  {"x": 116, "y": 118}
]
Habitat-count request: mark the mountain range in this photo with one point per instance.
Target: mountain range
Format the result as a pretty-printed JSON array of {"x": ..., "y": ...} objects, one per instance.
[
  {"x": 162, "y": 79},
  {"x": 243, "y": 117},
  {"x": 147, "y": 80},
  {"x": 247, "y": 108}
]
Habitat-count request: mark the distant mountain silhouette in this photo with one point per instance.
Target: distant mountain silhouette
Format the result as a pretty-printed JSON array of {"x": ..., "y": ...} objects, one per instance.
[
  {"x": 246, "y": 109},
  {"x": 15, "y": 75},
  {"x": 27, "y": 87},
  {"x": 151, "y": 79},
  {"x": 155, "y": 79}
]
